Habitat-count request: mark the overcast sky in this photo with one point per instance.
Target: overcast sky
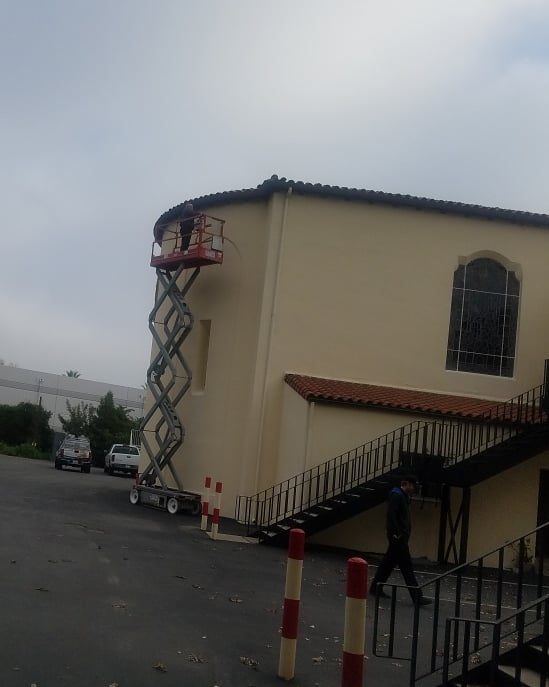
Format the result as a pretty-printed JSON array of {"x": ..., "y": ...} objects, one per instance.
[{"x": 113, "y": 111}]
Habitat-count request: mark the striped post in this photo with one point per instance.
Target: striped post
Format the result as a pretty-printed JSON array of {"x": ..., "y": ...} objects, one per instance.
[
  {"x": 355, "y": 623},
  {"x": 205, "y": 503},
  {"x": 292, "y": 596},
  {"x": 217, "y": 508}
]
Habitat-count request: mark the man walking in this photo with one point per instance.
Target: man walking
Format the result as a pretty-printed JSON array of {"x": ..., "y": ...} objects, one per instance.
[{"x": 399, "y": 527}]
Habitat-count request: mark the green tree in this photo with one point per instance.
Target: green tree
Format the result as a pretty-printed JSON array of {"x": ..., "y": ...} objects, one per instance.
[
  {"x": 79, "y": 419},
  {"x": 105, "y": 425},
  {"x": 72, "y": 373},
  {"x": 25, "y": 423}
]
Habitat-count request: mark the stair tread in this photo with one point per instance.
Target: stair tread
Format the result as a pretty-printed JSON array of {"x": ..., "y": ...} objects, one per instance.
[
  {"x": 538, "y": 648},
  {"x": 528, "y": 676}
]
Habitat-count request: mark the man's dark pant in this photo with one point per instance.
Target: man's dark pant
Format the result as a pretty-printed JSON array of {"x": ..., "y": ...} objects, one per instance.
[{"x": 397, "y": 554}]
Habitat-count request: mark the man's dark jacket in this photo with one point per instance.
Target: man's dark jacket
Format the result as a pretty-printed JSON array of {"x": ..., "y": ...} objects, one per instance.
[{"x": 399, "y": 524}]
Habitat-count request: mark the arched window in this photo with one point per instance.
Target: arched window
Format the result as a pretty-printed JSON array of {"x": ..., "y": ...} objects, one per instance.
[{"x": 483, "y": 320}]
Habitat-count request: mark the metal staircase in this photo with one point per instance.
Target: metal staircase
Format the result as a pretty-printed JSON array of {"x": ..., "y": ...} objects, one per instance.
[
  {"x": 487, "y": 625},
  {"x": 451, "y": 452}
]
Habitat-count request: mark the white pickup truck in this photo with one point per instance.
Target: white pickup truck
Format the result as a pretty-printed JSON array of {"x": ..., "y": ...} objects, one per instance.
[{"x": 123, "y": 458}]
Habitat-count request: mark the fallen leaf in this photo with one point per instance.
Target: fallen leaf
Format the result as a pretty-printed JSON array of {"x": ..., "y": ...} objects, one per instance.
[
  {"x": 235, "y": 599},
  {"x": 197, "y": 586},
  {"x": 194, "y": 658},
  {"x": 119, "y": 604},
  {"x": 160, "y": 667},
  {"x": 318, "y": 659},
  {"x": 42, "y": 589},
  {"x": 180, "y": 577},
  {"x": 51, "y": 560},
  {"x": 475, "y": 659},
  {"x": 113, "y": 684},
  {"x": 249, "y": 662}
]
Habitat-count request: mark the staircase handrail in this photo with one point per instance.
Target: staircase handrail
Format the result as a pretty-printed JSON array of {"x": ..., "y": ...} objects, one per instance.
[
  {"x": 481, "y": 578},
  {"x": 405, "y": 431},
  {"x": 452, "y": 654},
  {"x": 455, "y": 438},
  {"x": 521, "y": 408}
]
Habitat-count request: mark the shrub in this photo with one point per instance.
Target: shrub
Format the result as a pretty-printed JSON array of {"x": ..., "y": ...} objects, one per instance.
[
  {"x": 24, "y": 451},
  {"x": 25, "y": 423}
]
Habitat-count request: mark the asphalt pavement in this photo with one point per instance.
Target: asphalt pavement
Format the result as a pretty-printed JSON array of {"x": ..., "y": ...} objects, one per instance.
[{"x": 97, "y": 592}]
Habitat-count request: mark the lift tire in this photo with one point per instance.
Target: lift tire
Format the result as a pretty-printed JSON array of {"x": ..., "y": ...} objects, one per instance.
[
  {"x": 134, "y": 496},
  {"x": 172, "y": 506}
]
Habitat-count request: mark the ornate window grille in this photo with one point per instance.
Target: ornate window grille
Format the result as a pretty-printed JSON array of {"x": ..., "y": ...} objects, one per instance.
[{"x": 483, "y": 319}]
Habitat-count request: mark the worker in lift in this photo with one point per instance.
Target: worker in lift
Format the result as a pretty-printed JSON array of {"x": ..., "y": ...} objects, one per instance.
[{"x": 186, "y": 226}]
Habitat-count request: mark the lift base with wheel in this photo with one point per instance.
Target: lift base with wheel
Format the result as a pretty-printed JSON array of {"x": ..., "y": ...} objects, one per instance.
[{"x": 172, "y": 500}]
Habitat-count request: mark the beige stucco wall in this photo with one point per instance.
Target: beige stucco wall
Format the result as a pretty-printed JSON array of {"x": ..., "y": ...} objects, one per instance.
[
  {"x": 332, "y": 430},
  {"x": 313, "y": 433},
  {"x": 295, "y": 434},
  {"x": 336, "y": 289},
  {"x": 364, "y": 294},
  {"x": 366, "y": 532},
  {"x": 505, "y": 506}
]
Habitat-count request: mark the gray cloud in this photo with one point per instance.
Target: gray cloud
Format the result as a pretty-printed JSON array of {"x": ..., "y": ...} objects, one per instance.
[{"x": 113, "y": 112}]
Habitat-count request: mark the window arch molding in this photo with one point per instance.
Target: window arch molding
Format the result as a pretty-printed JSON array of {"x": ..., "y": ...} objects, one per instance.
[
  {"x": 484, "y": 315},
  {"x": 496, "y": 257}
]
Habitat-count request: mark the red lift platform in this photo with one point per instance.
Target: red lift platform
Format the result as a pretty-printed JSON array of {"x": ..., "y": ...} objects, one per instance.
[{"x": 205, "y": 246}]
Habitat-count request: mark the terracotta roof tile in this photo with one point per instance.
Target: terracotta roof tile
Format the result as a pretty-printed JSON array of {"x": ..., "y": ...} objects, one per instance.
[
  {"x": 281, "y": 185},
  {"x": 337, "y": 391}
]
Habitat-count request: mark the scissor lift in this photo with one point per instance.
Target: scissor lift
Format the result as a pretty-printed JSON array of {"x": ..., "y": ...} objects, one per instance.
[{"x": 169, "y": 375}]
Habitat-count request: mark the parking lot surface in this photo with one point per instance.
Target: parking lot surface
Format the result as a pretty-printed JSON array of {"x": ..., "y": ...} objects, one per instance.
[{"x": 97, "y": 592}]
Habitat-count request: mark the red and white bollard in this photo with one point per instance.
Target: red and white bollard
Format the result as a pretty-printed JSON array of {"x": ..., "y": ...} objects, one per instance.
[
  {"x": 205, "y": 503},
  {"x": 292, "y": 596},
  {"x": 217, "y": 509},
  {"x": 355, "y": 623}
]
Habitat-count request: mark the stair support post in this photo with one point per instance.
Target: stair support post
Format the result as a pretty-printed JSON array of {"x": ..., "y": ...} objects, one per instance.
[{"x": 450, "y": 525}]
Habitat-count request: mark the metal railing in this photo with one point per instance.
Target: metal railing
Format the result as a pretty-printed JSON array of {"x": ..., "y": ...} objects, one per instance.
[
  {"x": 206, "y": 232},
  {"x": 529, "y": 622},
  {"x": 471, "y": 591},
  {"x": 529, "y": 407},
  {"x": 446, "y": 442}
]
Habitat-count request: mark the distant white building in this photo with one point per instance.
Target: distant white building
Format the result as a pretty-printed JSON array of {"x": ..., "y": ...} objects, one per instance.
[{"x": 18, "y": 385}]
